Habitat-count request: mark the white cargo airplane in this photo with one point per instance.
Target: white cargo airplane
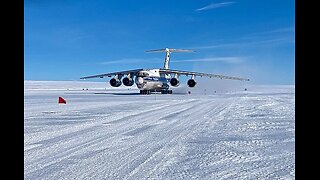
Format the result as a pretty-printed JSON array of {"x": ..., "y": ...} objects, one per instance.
[{"x": 157, "y": 80}]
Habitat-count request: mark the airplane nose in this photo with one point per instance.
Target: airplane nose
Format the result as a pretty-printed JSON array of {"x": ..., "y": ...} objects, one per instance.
[{"x": 139, "y": 80}]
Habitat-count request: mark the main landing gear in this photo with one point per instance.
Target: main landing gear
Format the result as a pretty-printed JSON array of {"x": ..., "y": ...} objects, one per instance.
[
  {"x": 145, "y": 92},
  {"x": 164, "y": 91}
]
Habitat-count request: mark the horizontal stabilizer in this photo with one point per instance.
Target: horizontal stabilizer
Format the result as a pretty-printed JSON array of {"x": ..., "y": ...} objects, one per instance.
[{"x": 171, "y": 50}]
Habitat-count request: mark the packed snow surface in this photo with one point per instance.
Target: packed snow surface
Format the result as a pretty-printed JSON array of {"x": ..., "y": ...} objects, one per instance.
[{"x": 106, "y": 133}]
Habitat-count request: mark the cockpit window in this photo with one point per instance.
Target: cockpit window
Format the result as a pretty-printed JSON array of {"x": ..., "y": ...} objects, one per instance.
[{"x": 142, "y": 74}]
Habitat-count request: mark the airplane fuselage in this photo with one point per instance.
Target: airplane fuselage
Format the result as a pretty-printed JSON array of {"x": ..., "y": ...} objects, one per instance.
[{"x": 151, "y": 80}]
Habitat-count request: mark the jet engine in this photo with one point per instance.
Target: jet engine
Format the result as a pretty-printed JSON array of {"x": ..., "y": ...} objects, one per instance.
[
  {"x": 115, "y": 82},
  {"x": 174, "y": 82},
  {"x": 191, "y": 82},
  {"x": 127, "y": 81}
]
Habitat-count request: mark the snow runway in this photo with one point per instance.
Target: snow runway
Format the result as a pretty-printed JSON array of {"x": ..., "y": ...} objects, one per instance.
[{"x": 101, "y": 134}]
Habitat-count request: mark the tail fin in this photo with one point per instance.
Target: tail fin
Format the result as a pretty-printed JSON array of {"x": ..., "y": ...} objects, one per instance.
[{"x": 168, "y": 51}]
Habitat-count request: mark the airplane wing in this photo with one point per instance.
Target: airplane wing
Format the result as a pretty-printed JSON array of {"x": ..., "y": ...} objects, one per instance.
[
  {"x": 170, "y": 71},
  {"x": 120, "y": 73}
]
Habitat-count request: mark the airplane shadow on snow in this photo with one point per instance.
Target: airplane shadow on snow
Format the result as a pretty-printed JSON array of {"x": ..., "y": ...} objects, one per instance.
[
  {"x": 139, "y": 94},
  {"x": 119, "y": 93}
]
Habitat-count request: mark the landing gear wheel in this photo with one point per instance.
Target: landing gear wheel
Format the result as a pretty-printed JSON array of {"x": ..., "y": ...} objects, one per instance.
[
  {"x": 145, "y": 92},
  {"x": 166, "y": 91}
]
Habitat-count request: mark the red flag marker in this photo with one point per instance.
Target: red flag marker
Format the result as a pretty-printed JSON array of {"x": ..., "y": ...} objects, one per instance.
[{"x": 61, "y": 100}]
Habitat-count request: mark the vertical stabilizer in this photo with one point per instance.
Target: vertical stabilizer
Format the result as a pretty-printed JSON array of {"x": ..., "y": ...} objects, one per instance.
[{"x": 167, "y": 58}]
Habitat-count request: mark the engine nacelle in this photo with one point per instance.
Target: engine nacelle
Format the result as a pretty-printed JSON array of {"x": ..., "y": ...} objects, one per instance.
[
  {"x": 174, "y": 82},
  {"x": 114, "y": 82},
  {"x": 127, "y": 81},
  {"x": 191, "y": 83}
]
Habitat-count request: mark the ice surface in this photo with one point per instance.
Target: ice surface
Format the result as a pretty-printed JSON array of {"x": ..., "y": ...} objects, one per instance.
[{"x": 106, "y": 133}]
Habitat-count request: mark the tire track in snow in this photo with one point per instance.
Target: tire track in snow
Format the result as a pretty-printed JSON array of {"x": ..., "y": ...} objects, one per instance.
[
  {"x": 231, "y": 154},
  {"x": 132, "y": 153},
  {"x": 217, "y": 137},
  {"x": 179, "y": 137},
  {"x": 137, "y": 149},
  {"x": 118, "y": 128}
]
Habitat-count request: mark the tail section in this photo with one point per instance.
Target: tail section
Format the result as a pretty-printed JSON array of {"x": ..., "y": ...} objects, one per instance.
[{"x": 168, "y": 51}]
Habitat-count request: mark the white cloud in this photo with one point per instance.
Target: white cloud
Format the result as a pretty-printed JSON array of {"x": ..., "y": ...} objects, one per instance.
[
  {"x": 279, "y": 31},
  {"x": 215, "y": 5},
  {"x": 131, "y": 61},
  {"x": 248, "y": 43},
  {"x": 229, "y": 60},
  {"x": 121, "y": 61}
]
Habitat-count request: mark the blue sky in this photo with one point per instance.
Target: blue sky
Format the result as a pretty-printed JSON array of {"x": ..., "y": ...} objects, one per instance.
[{"x": 68, "y": 39}]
